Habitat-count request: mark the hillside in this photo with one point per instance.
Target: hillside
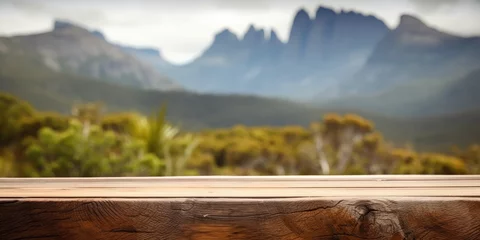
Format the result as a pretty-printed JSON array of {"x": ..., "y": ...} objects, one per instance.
[
  {"x": 50, "y": 90},
  {"x": 462, "y": 94},
  {"x": 53, "y": 91},
  {"x": 440, "y": 132},
  {"x": 420, "y": 98},
  {"x": 69, "y": 48}
]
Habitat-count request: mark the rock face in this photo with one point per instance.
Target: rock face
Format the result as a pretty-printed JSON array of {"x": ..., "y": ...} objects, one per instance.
[
  {"x": 321, "y": 35},
  {"x": 295, "y": 48},
  {"x": 74, "y": 49},
  {"x": 319, "y": 51}
]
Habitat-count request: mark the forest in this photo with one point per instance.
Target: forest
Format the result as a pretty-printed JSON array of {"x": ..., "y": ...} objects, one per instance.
[{"x": 90, "y": 142}]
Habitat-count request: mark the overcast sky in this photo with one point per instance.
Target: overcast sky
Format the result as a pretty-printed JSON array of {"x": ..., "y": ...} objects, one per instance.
[{"x": 182, "y": 29}]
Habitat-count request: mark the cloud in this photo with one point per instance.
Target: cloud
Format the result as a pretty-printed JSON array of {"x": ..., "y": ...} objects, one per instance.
[
  {"x": 458, "y": 17},
  {"x": 434, "y": 5},
  {"x": 255, "y": 5},
  {"x": 55, "y": 9},
  {"x": 27, "y": 5}
]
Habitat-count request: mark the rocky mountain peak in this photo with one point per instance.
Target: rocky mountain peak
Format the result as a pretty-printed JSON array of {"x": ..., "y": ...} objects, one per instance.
[
  {"x": 323, "y": 12},
  {"x": 225, "y": 36},
  {"x": 251, "y": 29},
  {"x": 301, "y": 25},
  {"x": 223, "y": 43},
  {"x": 411, "y": 31},
  {"x": 274, "y": 37},
  {"x": 64, "y": 26},
  {"x": 411, "y": 23},
  {"x": 301, "y": 14},
  {"x": 254, "y": 36},
  {"x": 60, "y": 24}
]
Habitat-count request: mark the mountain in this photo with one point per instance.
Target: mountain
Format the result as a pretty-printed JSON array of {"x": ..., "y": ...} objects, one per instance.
[
  {"x": 414, "y": 71},
  {"x": 319, "y": 52},
  {"x": 148, "y": 55},
  {"x": 414, "y": 52},
  {"x": 73, "y": 49}
]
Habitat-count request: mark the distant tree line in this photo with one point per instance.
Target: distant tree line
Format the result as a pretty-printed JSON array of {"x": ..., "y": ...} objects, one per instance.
[{"x": 89, "y": 142}]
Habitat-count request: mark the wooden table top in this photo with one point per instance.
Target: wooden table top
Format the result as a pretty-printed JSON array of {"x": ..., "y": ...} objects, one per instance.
[
  {"x": 248, "y": 187},
  {"x": 394, "y": 207}
]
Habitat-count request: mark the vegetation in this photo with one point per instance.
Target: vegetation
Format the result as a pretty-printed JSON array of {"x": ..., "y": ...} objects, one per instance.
[
  {"x": 91, "y": 142},
  {"x": 47, "y": 90}
]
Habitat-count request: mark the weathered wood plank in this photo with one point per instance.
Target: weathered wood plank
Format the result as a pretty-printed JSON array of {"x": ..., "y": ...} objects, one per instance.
[
  {"x": 420, "y": 207},
  {"x": 305, "y": 218},
  {"x": 246, "y": 182},
  {"x": 306, "y": 186},
  {"x": 183, "y": 192}
]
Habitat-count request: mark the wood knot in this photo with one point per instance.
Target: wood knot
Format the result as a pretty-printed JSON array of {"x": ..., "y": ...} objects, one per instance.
[{"x": 376, "y": 218}]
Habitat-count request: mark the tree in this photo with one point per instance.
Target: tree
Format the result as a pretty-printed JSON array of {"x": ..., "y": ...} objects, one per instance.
[
  {"x": 370, "y": 146},
  {"x": 341, "y": 134},
  {"x": 88, "y": 114},
  {"x": 319, "y": 135},
  {"x": 12, "y": 112},
  {"x": 353, "y": 129},
  {"x": 7, "y": 167},
  {"x": 471, "y": 157},
  {"x": 97, "y": 153}
]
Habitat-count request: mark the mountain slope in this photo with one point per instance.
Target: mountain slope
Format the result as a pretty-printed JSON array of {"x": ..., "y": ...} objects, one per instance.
[
  {"x": 72, "y": 49},
  {"x": 403, "y": 100},
  {"x": 414, "y": 52},
  {"x": 420, "y": 98},
  {"x": 460, "y": 95}
]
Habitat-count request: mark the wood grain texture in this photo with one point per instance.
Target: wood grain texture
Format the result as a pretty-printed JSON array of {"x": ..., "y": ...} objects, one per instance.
[
  {"x": 372, "y": 215},
  {"x": 252, "y": 187}
]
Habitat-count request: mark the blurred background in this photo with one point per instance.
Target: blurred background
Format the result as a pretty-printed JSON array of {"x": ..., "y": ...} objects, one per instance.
[{"x": 239, "y": 87}]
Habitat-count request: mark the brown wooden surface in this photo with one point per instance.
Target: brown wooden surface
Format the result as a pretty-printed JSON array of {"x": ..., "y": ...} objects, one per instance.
[{"x": 361, "y": 207}]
